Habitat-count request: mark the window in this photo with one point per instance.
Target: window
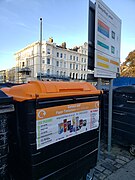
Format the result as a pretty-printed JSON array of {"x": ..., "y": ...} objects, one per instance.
[
  {"x": 65, "y": 65},
  {"x": 77, "y": 58},
  {"x": 76, "y": 66},
  {"x": 27, "y": 73},
  {"x": 82, "y": 59},
  {"x": 57, "y": 73},
  {"x": 85, "y": 60},
  {"x": 48, "y": 60},
  {"x": 48, "y": 71},
  {"x": 73, "y": 57},
  {"x": 61, "y": 55},
  {"x": 60, "y": 73},
  {"x": 84, "y": 76},
  {"x": 64, "y": 74},
  {"x": 27, "y": 63},
  {"x": 43, "y": 61},
  {"x": 48, "y": 51},
  {"x": 76, "y": 76},
  {"x": 60, "y": 63},
  {"x": 57, "y": 63},
  {"x": 23, "y": 64},
  {"x": 43, "y": 51},
  {"x": 64, "y": 56},
  {"x": 70, "y": 66},
  {"x": 82, "y": 68},
  {"x": 70, "y": 57},
  {"x": 73, "y": 66},
  {"x": 57, "y": 54},
  {"x": 81, "y": 76}
]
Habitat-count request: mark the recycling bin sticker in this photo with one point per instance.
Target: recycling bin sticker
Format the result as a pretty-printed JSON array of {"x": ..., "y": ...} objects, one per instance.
[{"x": 55, "y": 124}]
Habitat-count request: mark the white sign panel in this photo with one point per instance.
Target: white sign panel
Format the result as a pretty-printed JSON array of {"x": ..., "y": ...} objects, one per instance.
[
  {"x": 59, "y": 123},
  {"x": 107, "y": 41}
]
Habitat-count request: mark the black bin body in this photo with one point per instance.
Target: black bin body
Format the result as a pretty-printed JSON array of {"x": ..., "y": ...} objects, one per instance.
[
  {"x": 123, "y": 115},
  {"x": 70, "y": 158},
  {"x": 6, "y": 106}
]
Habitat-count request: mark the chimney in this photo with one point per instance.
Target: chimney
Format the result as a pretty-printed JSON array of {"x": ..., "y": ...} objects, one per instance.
[
  {"x": 51, "y": 40},
  {"x": 64, "y": 45}
]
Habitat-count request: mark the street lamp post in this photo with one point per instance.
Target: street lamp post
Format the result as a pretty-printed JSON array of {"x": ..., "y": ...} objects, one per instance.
[{"x": 40, "y": 46}]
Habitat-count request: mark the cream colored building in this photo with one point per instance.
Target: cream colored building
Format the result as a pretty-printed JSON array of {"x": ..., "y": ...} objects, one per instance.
[
  {"x": 2, "y": 76},
  {"x": 57, "y": 62}
]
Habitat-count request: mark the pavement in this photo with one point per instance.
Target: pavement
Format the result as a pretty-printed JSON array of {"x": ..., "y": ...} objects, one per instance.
[{"x": 118, "y": 165}]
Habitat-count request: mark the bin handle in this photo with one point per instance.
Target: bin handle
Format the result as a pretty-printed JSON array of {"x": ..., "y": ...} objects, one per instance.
[
  {"x": 122, "y": 114},
  {"x": 131, "y": 102}
]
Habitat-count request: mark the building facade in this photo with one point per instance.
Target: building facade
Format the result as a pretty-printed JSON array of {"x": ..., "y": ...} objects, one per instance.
[
  {"x": 57, "y": 62},
  {"x": 2, "y": 76}
]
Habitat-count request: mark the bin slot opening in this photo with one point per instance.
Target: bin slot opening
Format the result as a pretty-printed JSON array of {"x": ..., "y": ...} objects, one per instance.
[
  {"x": 66, "y": 101},
  {"x": 56, "y": 101},
  {"x": 83, "y": 98}
]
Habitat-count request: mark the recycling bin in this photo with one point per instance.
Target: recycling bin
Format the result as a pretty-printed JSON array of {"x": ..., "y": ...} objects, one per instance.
[
  {"x": 54, "y": 130},
  {"x": 6, "y": 107},
  {"x": 123, "y": 115}
]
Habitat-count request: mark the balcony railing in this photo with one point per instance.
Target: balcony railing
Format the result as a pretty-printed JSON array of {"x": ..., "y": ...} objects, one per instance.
[
  {"x": 53, "y": 76},
  {"x": 25, "y": 69}
]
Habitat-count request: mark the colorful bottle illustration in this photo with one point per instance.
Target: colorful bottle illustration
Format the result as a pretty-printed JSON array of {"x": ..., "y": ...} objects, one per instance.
[
  {"x": 77, "y": 123},
  {"x": 60, "y": 128},
  {"x": 68, "y": 125},
  {"x": 65, "y": 125},
  {"x": 74, "y": 123}
]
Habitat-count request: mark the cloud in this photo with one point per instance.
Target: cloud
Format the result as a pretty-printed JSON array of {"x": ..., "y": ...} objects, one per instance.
[
  {"x": 21, "y": 24},
  {"x": 9, "y": 17},
  {"x": 6, "y": 12}
]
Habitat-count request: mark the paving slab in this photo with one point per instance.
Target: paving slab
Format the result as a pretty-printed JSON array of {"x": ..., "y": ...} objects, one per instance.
[
  {"x": 117, "y": 165},
  {"x": 127, "y": 172}
]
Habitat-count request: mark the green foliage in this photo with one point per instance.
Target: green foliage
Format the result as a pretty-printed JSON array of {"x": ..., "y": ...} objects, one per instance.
[{"x": 128, "y": 67}]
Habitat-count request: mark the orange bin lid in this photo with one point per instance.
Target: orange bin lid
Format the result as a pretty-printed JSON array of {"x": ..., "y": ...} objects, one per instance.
[{"x": 42, "y": 89}]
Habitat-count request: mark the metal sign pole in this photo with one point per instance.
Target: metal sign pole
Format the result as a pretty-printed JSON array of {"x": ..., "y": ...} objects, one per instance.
[
  {"x": 110, "y": 115},
  {"x": 99, "y": 83}
]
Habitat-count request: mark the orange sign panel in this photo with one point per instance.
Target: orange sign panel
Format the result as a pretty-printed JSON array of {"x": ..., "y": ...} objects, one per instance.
[{"x": 55, "y": 124}]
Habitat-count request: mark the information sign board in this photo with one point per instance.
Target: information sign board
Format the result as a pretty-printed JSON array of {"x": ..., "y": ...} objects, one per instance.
[{"x": 107, "y": 41}]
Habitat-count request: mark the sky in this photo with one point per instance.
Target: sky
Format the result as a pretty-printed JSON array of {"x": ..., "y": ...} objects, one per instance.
[{"x": 63, "y": 20}]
